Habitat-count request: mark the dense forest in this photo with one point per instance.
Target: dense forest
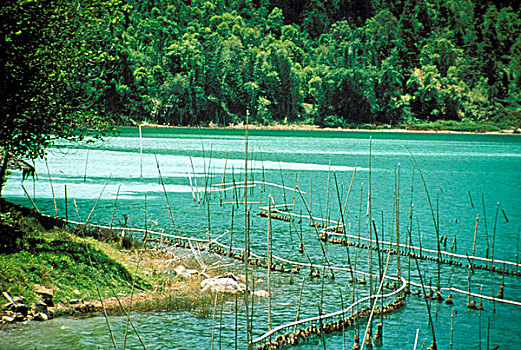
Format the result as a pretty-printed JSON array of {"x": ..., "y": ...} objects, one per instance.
[{"x": 324, "y": 62}]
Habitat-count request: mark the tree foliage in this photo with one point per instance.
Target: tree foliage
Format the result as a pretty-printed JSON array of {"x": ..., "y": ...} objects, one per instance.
[
  {"x": 329, "y": 62},
  {"x": 55, "y": 69}
]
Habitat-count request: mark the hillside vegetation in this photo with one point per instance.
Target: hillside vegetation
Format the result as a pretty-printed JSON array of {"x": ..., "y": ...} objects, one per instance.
[{"x": 325, "y": 62}]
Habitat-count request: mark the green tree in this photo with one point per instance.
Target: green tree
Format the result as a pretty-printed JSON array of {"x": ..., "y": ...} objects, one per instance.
[{"x": 43, "y": 70}]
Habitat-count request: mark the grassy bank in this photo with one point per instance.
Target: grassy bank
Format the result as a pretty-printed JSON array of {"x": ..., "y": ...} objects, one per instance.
[{"x": 50, "y": 268}]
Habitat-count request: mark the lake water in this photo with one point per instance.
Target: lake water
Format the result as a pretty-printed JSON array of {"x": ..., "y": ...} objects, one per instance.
[{"x": 464, "y": 175}]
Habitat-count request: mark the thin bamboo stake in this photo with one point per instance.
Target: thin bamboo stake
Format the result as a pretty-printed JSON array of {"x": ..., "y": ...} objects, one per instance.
[
  {"x": 85, "y": 171},
  {"x": 77, "y": 211},
  {"x": 30, "y": 199},
  {"x": 369, "y": 214},
  {"x": 485, "y": 223},
  {"x": 52, "y": 188},
  {"x": 236, "y": 327},
  {"x": 343, "y": 225},
  {"x": 269, "y": 261},
  {"x": 195, "y": 180},
  {"x": 368, "y": 330},
  {"x": 475, "y": 234},
  {"x": 114, "y": 206},
  {"x": 213, "y": 318},
  {"x": 231, "y": 229},
  {"x": 416, "y": 338},
  {"x": 224, "y": 177},
  {"x": 140, "y": 152},
  {"x": 246, "y": 234},
  {"x": 397, "y": 199},
  {"x": 129, "y": 321},
  {"x": 101, "y": 301},
  {"x": 299, "y": 302},
  {"x": 436, "y": 224},
  {"x": 66, "y": 207},
  {"x": 426, "y": 299},
  {"x": 316, "y": 231},
  {"x": 166, "y": 194},
  {"x": 221, "y": 322},
  {"x": 492, "y": 258},
  {"x": 97, "y": 201},
  {"x": 451, "y": 328},
  {"x": 310, "y": 196}
]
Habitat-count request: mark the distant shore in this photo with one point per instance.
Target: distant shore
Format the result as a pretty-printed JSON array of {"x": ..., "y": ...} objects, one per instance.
[{"x": 309, "y": 127}]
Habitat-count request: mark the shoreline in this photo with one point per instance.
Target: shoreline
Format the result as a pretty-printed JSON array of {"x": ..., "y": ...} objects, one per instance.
[{"x": 308, "y": 127}]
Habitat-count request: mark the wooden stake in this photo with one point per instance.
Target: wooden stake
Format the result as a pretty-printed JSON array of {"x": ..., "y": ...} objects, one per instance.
[
  {"x": 166, "y": 195},
  {"x": 397, "y": 218},
  {"x": 299, "y": 302},
  {"x": 451, "y": 328},
  {"x": 246, "y": 235},
  {"x": 114, "y": 207},
  {"x": 66, "y": 207},
  {"x": 52, "y": 188},
  {"x": 269, "y": 261},
  {"x": 140, "y": 152},
  {"x": 475, "y": 234},
  {"x": 86, "y": 162},
  {"x": 30, "y": 199}
]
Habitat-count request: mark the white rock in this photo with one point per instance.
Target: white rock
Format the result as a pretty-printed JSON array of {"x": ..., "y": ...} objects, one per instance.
[
  {"x": 223, "y": 285},
  {"x": 261, "y": 293},
  {"x": 183, "y": 271}
]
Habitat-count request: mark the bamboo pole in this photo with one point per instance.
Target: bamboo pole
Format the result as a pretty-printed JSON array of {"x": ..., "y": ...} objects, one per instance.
[
  {"x": 370, "y": 227},
  {"x": 343, "y": 224},
  {"x": 246, "y": 234},
  {"x": 85, "y": 171},
  {"x": 52, "y": 188},
  {"x": 66, "y": 207},
  {"x": 492, "y": 258},
  {"x": 224, "y": 177},
  {"x": 269, "y": 261},
  {"x": 231, "y": 229},
  {"x": 397, "y": 198},
  {"x": 166, "y": 194},
  {"x": 77, "y": 211},
  {"x": 299, "y": 302},
  {"x": 475, "y": 234},
  {"x": 140, "y": 152},
  {"x": 485, "y": 223},
  {"x": 436, "y": 224},
  {"x": 97, "y": 200},
  {"x": 451, "y": 328},
  {"x": 30, "y": 199},
  {"x": 114, "y": 206}
]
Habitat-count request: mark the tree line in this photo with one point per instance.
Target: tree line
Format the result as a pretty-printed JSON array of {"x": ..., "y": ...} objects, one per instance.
[{"x": 326, "y": 62}]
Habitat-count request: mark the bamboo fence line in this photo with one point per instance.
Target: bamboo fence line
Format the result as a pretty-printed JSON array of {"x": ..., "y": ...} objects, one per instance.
[
  {"x": 330, "y": 315},
  {"x": 254, "y": 183},
  {"x": 422, "y": 249},
  {"x": 297, "y": 263},
  {"x": 327, "y": 231},
  {"x": 293, "y": 215}
]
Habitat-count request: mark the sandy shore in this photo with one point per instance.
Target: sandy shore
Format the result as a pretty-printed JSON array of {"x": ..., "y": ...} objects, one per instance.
[{"x": 306, "y": 127}]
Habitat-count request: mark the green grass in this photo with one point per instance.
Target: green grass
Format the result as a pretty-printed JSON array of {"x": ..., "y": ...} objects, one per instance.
[{"x": 55, "y": 258}]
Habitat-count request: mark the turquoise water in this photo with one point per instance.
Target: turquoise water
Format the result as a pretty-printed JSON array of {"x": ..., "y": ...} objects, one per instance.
[{"x": 461, "y": 172}]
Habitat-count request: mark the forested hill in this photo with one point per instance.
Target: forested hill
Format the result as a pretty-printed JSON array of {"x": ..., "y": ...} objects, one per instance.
[{"x": 327, "y": 62}]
